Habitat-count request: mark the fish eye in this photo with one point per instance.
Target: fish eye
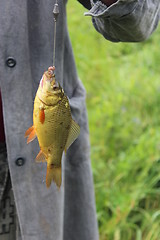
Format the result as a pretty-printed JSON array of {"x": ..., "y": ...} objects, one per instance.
[{"x": 55, "y": 88}]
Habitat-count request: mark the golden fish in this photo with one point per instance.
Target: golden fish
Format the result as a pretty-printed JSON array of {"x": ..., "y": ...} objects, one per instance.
[{"x": 53, "y": 125}]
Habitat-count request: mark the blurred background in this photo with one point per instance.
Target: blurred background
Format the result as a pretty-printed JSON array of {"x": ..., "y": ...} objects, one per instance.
[{"x": 123, "y": 101}]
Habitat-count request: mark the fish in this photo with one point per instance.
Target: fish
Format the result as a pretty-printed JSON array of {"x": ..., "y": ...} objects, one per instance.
[{"x": 53, "y": 125}]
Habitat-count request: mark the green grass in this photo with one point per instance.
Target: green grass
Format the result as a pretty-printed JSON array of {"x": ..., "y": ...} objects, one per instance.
[{"x": 123, "y": 100}]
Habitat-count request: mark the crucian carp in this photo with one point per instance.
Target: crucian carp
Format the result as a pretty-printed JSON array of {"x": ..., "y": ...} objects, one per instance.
[{"x": 52, "y": 125}]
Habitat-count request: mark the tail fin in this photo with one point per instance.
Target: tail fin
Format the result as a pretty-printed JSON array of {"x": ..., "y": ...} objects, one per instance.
[{"x": 55, "y": 175}]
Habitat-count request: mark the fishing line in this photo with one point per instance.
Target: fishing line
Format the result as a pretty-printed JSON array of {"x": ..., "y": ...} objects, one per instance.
[{"x": 55, "y": 16}]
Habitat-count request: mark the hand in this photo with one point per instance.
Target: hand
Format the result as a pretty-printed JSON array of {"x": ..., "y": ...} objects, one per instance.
[{"x": 108, "y": 2}]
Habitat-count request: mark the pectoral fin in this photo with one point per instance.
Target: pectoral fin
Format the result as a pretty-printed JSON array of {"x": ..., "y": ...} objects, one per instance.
[
  {"x": 30, "y": 134},
  {"x": 73, "y": 134},
  {"x": 41, "y": 115}
]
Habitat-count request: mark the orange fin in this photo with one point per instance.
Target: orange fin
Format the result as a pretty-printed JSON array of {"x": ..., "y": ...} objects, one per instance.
[
  {"x": 40, "y": 157},
  {"x": 55, "y": 175},
  {"x": 30, "y": 134},
  {"x": 41, "y": 115}
]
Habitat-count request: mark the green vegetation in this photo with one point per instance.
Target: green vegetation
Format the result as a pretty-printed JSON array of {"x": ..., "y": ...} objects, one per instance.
[{"x": 123, "y": 100}]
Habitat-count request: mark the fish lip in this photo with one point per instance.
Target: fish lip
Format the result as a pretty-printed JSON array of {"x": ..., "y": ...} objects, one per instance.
[
  {"x": 50, "y": 75},
  {"x": 51, "y": 70}
]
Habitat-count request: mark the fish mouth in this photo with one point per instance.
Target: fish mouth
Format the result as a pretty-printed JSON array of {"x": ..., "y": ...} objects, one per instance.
[
  {"x": 50, "y": 71},
  {"x": 50, "y": 74}
]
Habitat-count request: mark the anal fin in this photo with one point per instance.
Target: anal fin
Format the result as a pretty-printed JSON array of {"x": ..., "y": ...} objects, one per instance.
[{"x": 40, "y": 157}]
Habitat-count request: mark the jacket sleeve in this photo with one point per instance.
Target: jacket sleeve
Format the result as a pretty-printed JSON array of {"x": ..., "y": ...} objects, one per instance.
[
  {"x": 85, "y": 3},
  {"x": 125, "y": 20}
]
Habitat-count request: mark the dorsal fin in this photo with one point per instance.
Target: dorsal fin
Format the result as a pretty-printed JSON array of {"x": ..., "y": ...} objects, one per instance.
[{"x": 73, "y": 134}]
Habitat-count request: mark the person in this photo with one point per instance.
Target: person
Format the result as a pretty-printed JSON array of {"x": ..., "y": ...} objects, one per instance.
[{"x": 28, "y": 210}]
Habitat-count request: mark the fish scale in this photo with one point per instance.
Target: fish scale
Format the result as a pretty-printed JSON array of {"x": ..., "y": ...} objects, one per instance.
[{"x": 52, "y": 128}]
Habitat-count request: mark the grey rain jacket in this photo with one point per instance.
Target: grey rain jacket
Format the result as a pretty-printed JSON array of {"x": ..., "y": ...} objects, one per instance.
[{"x": 26, "y": 35}]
